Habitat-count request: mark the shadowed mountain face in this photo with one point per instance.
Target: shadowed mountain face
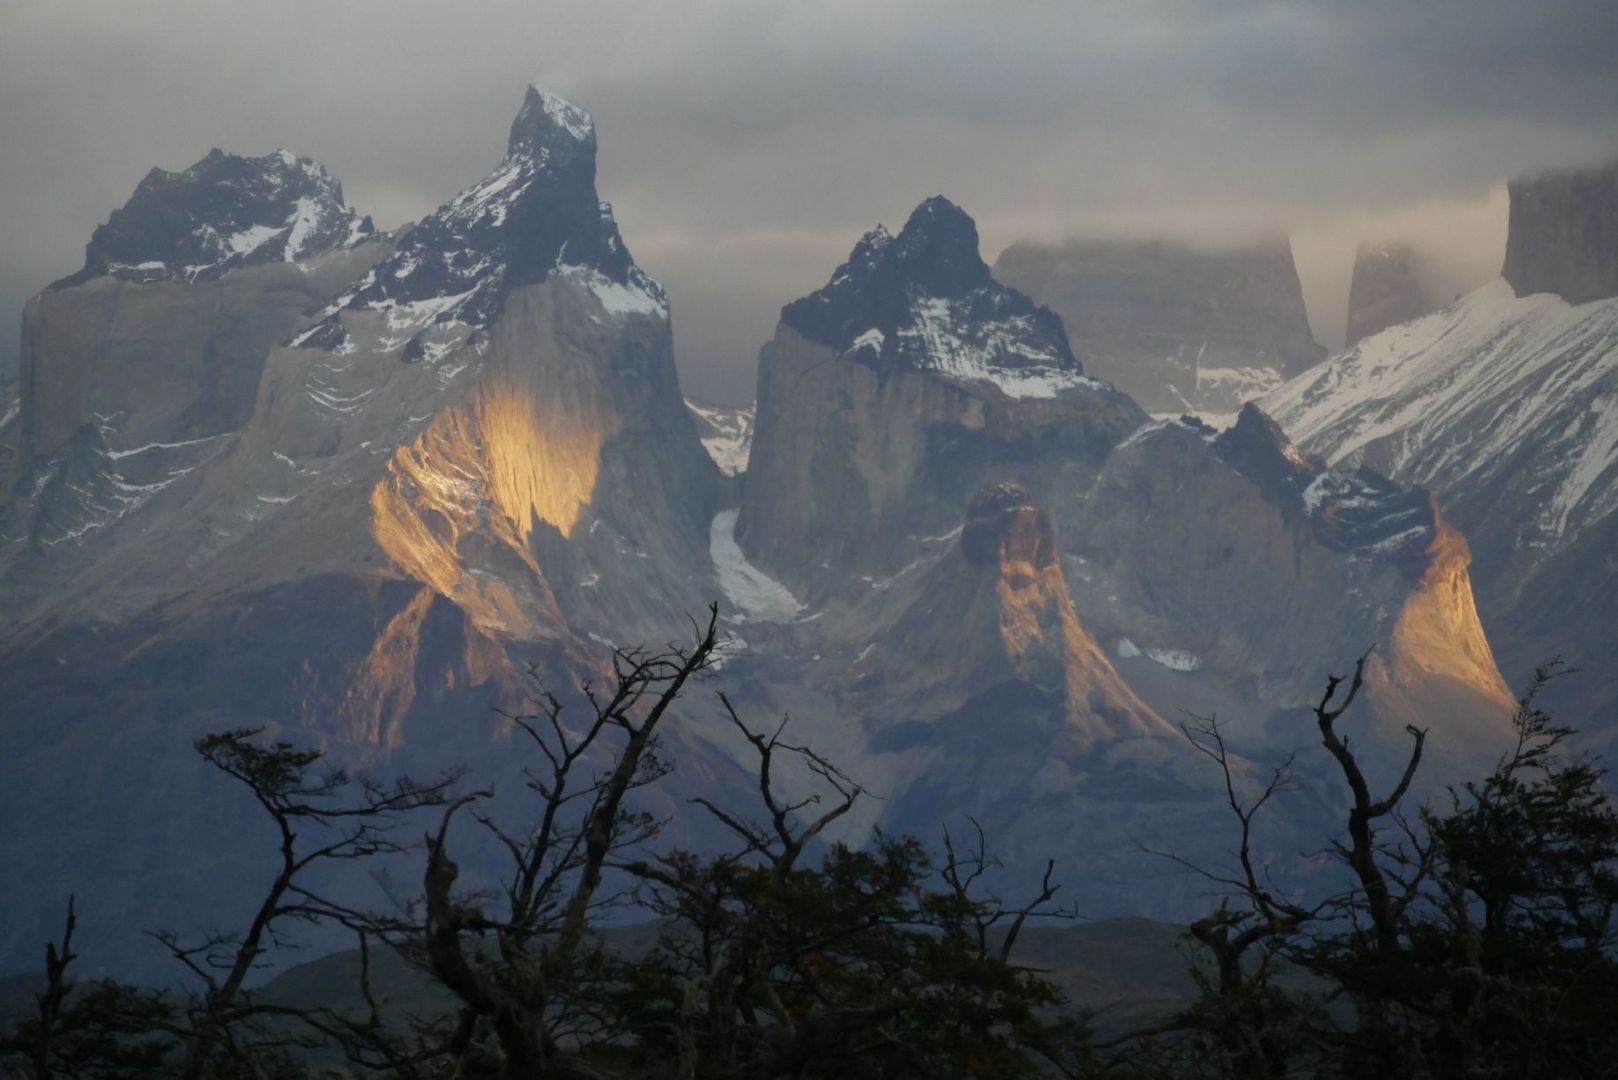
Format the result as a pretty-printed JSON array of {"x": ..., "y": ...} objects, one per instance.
[
  {"x": 354, "y": 492},
  {"x": 1177, "y": 329}
]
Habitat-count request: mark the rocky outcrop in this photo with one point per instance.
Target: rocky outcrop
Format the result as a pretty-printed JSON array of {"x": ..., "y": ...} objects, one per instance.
[
  {"x": 1009, "y": 614},
  {"x": 1563, "y": 237},
  {"x": 1176, "y": 328},
  {"x": 1392, "y": 283}
]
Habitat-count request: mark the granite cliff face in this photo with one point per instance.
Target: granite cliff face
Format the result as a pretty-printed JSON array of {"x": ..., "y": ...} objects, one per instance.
[
  {"x": 1563, "y": 237},
  {"x": 1176, "y": 328},
  {"x": 353, "y": 495},
  {"x": 1392, "y": 283}
]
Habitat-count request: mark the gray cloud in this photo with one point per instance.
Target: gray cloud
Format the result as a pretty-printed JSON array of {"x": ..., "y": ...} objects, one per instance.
[{"x": 745, "y": 145}]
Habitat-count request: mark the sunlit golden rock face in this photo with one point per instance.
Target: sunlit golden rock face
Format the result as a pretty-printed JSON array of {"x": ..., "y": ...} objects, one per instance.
[
  {"x": 460, "y": 501},
  {"x": 1040, "y": 629},
  {"x": 539, "y": 466},
  {"x": 1006, "y": 615},
  {"x": 519, "y": 451},
  {"x": 1437, "y": 637}
]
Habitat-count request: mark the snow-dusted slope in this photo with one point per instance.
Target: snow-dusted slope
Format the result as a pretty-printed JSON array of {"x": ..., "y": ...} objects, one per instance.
[{"x": 1497, "y": 391}]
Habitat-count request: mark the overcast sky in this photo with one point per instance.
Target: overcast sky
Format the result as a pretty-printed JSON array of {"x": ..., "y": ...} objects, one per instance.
[{"x": 745, "y": 145}]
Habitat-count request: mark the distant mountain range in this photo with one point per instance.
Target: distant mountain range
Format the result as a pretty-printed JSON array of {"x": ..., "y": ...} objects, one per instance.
[{"x": 273, "y": 467}]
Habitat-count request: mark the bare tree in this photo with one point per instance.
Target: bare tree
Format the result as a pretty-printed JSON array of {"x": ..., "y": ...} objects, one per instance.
[
  {"x": 520, "y": 966},
  {"x": 320, "y": 817}
]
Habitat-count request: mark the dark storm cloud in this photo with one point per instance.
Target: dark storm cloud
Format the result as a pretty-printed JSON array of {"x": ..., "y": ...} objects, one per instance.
[{"x": 746, "y": 144}]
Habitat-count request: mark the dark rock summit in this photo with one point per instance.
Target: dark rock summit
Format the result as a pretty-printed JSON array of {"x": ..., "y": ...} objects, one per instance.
[
  {"x": 1392, "y": 283},
  {"x": 1176, "y": 328},
  {"x": 223, "y": 213},
  {"x": 1563, "y": 237}
]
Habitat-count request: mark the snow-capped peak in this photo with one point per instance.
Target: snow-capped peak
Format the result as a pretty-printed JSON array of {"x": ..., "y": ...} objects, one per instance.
[
  {"x": 924, "y": 299},
  {"x": 568, "y": 116}
]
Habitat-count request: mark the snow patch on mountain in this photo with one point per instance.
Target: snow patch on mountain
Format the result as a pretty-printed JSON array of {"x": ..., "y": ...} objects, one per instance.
[
  {"x": 640, "y": 295},
  {"x": 1173, "y": 659},
  {"x": 758, "y": 596},
  {"x": 1009, "y": 354},
  {"x": 566, "y": 115},
  {"x": 727, "y": 434}
]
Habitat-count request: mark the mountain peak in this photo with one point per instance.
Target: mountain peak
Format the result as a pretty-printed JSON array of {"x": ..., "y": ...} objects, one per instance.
[
  {"x": 537, "y": 215},
  {"x": 222, "y": 213},
  {"x": 938, "y": 248},
  {"x": 924, "y": 300},
  {"x": 550, "y": 123}
]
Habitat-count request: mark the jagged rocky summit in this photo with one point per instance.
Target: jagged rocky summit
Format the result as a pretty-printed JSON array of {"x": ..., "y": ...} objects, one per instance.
[
  {"x": 223, "y": 213},
  {"x": 1392, "y": 283},
  {"x": 1178, "y": 329}
]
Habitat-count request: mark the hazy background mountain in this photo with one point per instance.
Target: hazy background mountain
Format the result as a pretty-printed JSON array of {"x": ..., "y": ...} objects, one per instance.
[{"x": 747, "y": 142}]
